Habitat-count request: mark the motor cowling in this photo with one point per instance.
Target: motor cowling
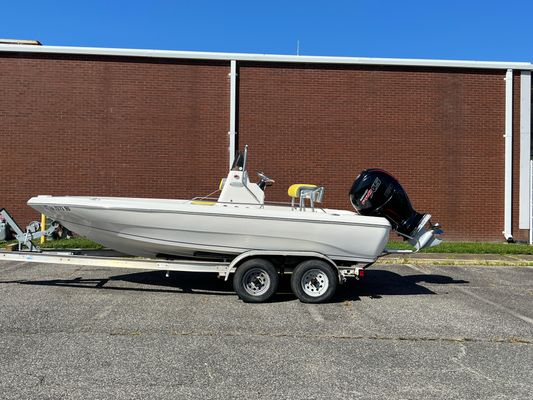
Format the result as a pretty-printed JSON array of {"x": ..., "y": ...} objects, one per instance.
[{"x": 375, "y": 192}]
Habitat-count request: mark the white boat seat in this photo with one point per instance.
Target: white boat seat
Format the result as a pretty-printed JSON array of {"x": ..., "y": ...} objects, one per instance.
[{"x": 303, "y": 191}]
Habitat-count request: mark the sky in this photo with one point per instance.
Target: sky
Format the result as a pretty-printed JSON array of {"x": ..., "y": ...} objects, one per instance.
[{"x": 434, "y": 29}]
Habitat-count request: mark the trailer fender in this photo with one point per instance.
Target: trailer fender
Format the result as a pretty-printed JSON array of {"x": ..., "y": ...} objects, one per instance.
[{"x": 266, "y": 253}]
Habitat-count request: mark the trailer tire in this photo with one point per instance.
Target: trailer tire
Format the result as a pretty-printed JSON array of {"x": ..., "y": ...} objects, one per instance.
[
  {"x": 256, "y": 280},
  {"x": 314, "y": 281}
]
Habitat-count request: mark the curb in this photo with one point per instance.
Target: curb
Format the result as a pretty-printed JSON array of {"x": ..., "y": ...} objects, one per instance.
[{"x": 455, "y": 262}]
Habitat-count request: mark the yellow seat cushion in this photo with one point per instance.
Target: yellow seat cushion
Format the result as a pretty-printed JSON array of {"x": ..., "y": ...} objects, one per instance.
[
  {"x": 294, "y": 190},
  {"x": 203, "y": 203}
]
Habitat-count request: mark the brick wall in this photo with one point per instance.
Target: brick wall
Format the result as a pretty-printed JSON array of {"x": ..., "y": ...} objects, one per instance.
[
  {"x": 110, "y": 127},
  {"x": 127, "y": 126},
  {"x": 440, "y": 132}
]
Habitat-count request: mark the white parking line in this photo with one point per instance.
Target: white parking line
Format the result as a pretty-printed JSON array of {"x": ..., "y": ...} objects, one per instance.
[{"x": 483, "y": 299}]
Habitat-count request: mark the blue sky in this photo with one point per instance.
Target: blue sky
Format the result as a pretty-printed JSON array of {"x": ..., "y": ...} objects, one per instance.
[{"x": 473, "y": 30}]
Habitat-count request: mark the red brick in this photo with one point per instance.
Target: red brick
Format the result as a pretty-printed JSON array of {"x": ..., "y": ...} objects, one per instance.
[{"x": 123, "y": 126}]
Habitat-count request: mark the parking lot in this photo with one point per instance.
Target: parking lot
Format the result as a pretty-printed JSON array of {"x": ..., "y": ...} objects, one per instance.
[{"x": 404, "y": 332}]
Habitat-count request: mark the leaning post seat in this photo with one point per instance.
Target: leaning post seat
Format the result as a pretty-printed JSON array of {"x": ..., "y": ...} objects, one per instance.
[{"x": 302, "y": 191}]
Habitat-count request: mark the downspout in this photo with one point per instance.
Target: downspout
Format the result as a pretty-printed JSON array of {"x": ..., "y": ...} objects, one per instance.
[
  {"x": 508, "y": 170},
  {"x": 232, "y": 111},
  {"x": 524, "y": 214}
]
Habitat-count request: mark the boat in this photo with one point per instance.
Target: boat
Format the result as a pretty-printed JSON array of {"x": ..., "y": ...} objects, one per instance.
[{"x": 240, "y": 220}]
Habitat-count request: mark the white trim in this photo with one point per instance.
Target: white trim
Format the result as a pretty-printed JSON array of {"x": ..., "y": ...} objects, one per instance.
[
  {"x": 525, "y": 149},
  {"x": 101, "y": 51},
  {"x": 508, "y": 169},
  {"x": 531, "y": 203},
  {"x": 232, "y": 111}
]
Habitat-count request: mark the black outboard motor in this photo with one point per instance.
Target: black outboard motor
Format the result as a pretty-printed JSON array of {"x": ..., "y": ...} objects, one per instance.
[{"x": 377, "y": 193}]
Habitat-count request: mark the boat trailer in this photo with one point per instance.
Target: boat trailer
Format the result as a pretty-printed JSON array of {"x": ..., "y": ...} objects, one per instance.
[
  {"x": 314, "y": 276},
  {"x": 254, "y": 282}
]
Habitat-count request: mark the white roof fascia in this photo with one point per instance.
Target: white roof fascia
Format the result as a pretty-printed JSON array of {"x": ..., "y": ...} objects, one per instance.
[{"x": 100, "y": 51}]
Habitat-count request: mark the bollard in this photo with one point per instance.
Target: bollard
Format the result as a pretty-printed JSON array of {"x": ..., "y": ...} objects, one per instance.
[{"x": 43, "y": 228}]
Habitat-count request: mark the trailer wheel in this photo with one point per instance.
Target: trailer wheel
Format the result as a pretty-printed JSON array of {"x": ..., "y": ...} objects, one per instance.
[
  {"x": 314, "y": 281},
  {"x": 256, "y": 280}
]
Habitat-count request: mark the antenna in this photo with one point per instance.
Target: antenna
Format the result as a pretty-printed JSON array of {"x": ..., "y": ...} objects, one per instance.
[{"x": 298, "y": 47}]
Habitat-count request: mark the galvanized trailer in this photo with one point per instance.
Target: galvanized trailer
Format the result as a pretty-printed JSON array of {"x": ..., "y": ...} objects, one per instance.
[
  {"x": 314, "y": 277},
  {"x": 256, "y": 273}
]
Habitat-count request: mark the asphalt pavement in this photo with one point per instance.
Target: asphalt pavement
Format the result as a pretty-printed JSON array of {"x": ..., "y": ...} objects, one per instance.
[{"x": 413, "y": 331}]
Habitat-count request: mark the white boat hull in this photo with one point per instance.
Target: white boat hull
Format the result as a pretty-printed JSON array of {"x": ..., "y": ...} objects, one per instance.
[{"x": 156, "y": 227}]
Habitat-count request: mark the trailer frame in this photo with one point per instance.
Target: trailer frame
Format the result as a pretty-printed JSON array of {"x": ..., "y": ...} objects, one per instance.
[{"x": 223, "y": 269}]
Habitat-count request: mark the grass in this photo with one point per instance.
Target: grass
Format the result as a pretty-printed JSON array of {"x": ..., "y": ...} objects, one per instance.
[
  {"x": 470, "y": 248},
  {"x": 79, "y": 242},
  {"x": 72, "y": 243}
]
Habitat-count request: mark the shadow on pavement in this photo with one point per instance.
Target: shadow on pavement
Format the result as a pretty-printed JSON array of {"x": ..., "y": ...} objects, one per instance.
[
  {"x": 376, "y": 284},
  {"x": 153, "y": 281}
]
